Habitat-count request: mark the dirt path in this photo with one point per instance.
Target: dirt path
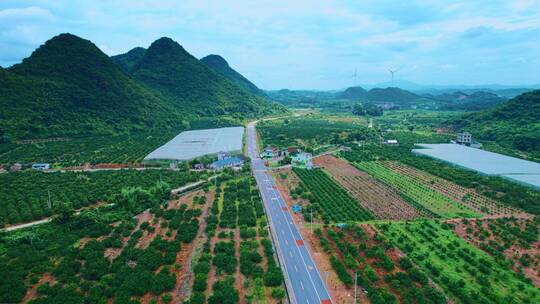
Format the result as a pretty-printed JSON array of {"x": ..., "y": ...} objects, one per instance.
[{"x": 239, "y": 277}]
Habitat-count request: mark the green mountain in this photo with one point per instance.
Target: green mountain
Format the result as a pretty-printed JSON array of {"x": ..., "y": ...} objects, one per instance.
[
  {"x": 353, "y": 93},
  {"x": 192, "y": 86},
  {"x": 128, "y": 60},
  {"x": 513, "y": 123},
  {"x": 392, "y": 95},
  {"x": 220, "y": 65},
  {"x": 68, "y": 87}
]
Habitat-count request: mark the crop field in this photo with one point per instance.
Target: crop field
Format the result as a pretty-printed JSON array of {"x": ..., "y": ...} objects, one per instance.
[
  {"x": 384, "y": 273},
  {"x": 237, "y": 261},
  {"x": 24, "y": 196},
  {"x": 102, "y": 254},
  {"x": 381, "y": 200},
  {"x": 511, "y": 241},
  {"x": 417, "y": 192},
  {"x": 330, "y": 200},
  {"x": 469, "y": 197},
  {"x": 464, "y": 272},
  {"x": 207, "y": 246},
  {"x": 310, "y": 132},
  {"x": 93, "y": 150}
]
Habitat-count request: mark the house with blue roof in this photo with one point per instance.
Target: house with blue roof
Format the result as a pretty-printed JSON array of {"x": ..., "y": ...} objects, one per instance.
[{"x": 228, "y": 162}]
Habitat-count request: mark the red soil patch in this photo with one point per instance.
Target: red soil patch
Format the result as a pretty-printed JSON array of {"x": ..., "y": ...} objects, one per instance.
[
  {"x": 373, "y": 195},
  {"x": 113, "y": 253},
  {"x": 31, "y": 293}
]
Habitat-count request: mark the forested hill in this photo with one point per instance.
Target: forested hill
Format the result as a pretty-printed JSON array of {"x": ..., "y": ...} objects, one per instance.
[
  {"x": 513, "y": 123},
  {"x": 220, "y": 65},
  {"x": 191, "y": 85},
  {"x": 68, "y": 87},
  {"x": 128, "y": 60}
]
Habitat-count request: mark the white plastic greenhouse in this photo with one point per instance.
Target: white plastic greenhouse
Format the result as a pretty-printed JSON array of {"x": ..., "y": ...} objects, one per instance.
[{"x": 192, "y": 144}]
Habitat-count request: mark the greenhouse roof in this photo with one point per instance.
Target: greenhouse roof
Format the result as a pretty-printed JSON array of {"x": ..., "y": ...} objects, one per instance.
[
  {"x": 192, "y": 144},
  {"x": 486, "y": 162}
]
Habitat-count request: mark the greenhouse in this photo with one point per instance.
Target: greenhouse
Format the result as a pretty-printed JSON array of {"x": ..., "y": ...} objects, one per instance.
[
  {"x": 518, "y": 170},
  {"x": 196, "y": 143}
]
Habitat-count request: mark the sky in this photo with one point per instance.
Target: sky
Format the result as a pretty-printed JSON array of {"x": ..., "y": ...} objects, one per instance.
[{"x": 299, "y": 44}]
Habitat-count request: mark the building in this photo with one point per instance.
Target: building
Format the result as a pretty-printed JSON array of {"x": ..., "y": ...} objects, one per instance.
[
  {"x": 302, "y": 160},
  {"x": 41, "y": 166},
  {"x": 464, "y": 138},
  {"x": 227, "y": 163},
  {"x": 198, "y": 166},
  {"x": 223, "y": 155},
  {"x": 15, "y": 167},
  {"x": 270, "y": 152},
  {"x": 392, "y": 142}
]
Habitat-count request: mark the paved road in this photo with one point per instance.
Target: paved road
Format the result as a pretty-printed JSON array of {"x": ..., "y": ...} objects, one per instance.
[{"x": 303, "y": 279}]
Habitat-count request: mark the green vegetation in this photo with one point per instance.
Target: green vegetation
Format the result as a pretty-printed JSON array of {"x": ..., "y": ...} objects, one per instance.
[
  {"x": 466, "y": 273},
  {"x": 24, "y": 196},
  {"x": 192, "y": 86},
  {"x": 496, "y": 188},
  {"x": 69, "y": 88},
  {"x": 367, "y": 109},
  {"x": 312, "y": 132},
  {"x": 108, "y": 264},
  {"x": 513, "y": 124},
  {"x": 328, "y": 199},
  {"x": 219, "y": 65},
  {"x": 411, "y": 189},
  {"x": 60, "y": 91},
  {"x": 383, "y": 276}
]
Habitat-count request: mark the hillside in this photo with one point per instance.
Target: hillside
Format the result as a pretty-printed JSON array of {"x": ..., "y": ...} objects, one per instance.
[
  {"x": 513, "y": 123},
  {"x": 221, "y": 66},
  {"x": 192, "y": 86},
  {"x": 69, "y": 87},
  {"x": 353, "y": 93},
  {"x": 392, "y": 95},
  {"x": 128, "y": 60}
]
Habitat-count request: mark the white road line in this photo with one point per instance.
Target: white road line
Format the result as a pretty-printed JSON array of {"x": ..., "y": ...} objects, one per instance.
[
  {"x": 295, "y": 268},
  {"x": 302, "y": 285}
]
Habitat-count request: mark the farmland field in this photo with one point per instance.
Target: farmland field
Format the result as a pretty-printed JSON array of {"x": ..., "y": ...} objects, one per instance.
[
  {"x": 94, "y": 150},
  {"x": 466, "y": 274},
  {"x": 371, "y": 194},
  {"x": 385, "y": 274},
  {"x": 311, "y": 132},
  {"x": 416, "y": 192},
  {"x": 514, "y": 241},
  {"x": 24, "y": 196},
  {"x": 469, "y": 197},
  {"x": 330, "y": 200}
]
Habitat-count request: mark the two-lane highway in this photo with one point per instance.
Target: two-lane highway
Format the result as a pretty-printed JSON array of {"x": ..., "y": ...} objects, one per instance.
[{"x": 303, "y": 279}]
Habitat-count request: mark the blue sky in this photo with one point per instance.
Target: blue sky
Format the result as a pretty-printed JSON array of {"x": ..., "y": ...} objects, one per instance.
[{"x": 304, "y": 44}]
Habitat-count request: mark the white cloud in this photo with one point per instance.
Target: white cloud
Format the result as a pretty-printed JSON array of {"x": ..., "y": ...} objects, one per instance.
[{"x": 27, "y": 13}]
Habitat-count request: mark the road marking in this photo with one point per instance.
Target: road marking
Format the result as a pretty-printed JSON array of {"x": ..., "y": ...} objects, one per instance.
[
  {"x": 290, "y": 253},
  {"x": 287, "y": 243},
  {"x": 300, "y": 242},
  {"x": 295, "y": 268},
  {"x": 302, "y": 285}
]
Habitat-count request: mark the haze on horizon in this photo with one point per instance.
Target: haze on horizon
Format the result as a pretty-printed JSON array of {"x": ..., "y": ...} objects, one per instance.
[{"x": 303, "y": 44}]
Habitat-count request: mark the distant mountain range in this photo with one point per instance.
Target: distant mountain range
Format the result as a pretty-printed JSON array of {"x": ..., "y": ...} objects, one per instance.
[
  {"x": 390, "y": 97},
  {"x": 68, "y": 87}
]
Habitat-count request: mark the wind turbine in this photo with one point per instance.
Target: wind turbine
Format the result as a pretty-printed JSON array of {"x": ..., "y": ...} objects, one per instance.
[{"x": 393, "y": 72}]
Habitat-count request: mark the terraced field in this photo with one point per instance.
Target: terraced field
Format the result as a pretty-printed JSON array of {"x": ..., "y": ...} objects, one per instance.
[
  {"x": 468, "y": 197},
  {"x": 417, "y": 192},
  {"x": 383, "y": 201},
  {"x": 330, "y": 199}
]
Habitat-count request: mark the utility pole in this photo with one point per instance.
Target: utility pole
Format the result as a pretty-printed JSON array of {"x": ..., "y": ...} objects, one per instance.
[
  {"x": 311, "y": 210},
  {"x": 355, "y": 284},
  {"x": 49, "y": 202}
]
